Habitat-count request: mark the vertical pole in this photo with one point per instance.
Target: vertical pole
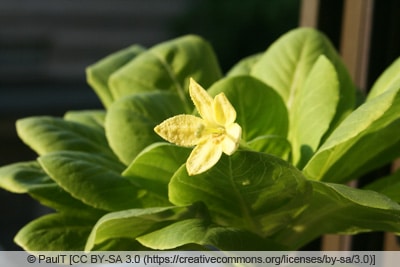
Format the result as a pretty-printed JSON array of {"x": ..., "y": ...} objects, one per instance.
[
  {"x": 354, "y": 48},
  {"x": 309, "y": 13},
  {"x": 355, "y": 41}
]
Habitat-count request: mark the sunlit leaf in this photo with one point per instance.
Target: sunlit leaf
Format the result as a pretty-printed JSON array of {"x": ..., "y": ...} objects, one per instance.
[
  {"x": 389, "y": 79},
  {"x": 366, "y": 139},
  {"x": 314, "y": 108}
]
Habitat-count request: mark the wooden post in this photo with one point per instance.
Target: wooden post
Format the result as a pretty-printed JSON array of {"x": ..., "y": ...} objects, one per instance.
[
  {"x": 309, "y": 13},
  {"x": 355, "y": 40}
]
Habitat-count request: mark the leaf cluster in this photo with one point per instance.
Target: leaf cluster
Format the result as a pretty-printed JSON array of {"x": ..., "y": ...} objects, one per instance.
[{"x": 115, "y": 185}]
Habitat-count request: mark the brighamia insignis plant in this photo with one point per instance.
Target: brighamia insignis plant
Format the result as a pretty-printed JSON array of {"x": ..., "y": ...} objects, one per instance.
[{"x": 258, "y": 161}]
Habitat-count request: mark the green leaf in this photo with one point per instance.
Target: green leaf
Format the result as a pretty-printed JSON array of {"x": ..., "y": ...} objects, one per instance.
[
  {"x": 388, "y": 186},
  {"x": 275, "y": 145},
  {"x": 28, "y": 177},
  {"x": 91, "y": 118},
  {"x": 201, "y": 232},
  {"x": 389, "y": 79},
  {"x": 132, "y": 223},
  {"x": 48, "y": 134},
  {"x": 153, "y": 168},
  {"x": 22, "y": 177},
  {"x": 336, "y": 208},
  {"x": 366, "y": 139},
  {"x": 251, "y": 191},
  {"x": 260, "y": 110},
  {"x": 244, "y": 66},
  {"x": 55, "y": 232},
  {"x": 99, "y": 73},
  {"x": 119, "y": 244},
  {"x": 168, "y": 66},
  {"x": 93, "y": 180},
  {"x": 287, "y": 62},
  {"x": 313, "y": 110},
  {"x": 130, "y": 121}
]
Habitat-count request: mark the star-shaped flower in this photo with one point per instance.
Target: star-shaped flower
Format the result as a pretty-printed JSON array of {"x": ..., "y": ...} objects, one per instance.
[{"x": 215, "y": 132}]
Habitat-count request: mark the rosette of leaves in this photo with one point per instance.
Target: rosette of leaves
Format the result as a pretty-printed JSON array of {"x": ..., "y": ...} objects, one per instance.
[{"x": 116, "y": 185}]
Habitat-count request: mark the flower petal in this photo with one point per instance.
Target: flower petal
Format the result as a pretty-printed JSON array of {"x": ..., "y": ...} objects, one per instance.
[
  {"x": 224, "y": 113},
  {"x": 232, "y": 138},
  {"x": 202, "y": 100},
  {"x": 182, "y": 130},
  {"x": 203, "y": 157}
]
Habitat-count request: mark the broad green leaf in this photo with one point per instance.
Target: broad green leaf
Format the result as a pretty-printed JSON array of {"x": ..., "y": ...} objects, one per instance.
[
  {"x": 99, "y": 73},
  {"x": 55, "y": 232},
  {"x": 201, "y": 232},
  {"x": 248, "y": 190},
  {"x": 287, "y": 62},
  {"x": 91, "y": 118},
  {"x": 389, "y": 79},
  {"x": 336, "y": 208},
  {"x": 168, "y": 66},
  {"x": 154, "y": 166},
  {"x": 313, "y": 110},
  {"x": 49, "y": 134},
  {"x": 119, "y": 244},
  {"x": 272, "y": 144},
  {"x": 90, "y": 178},
  {"x": 260, "y": 110},
  {"x": 130, "y": 121},
  {"x": 366, "y": 139},
  {"x": 23, "y": 176},
  {"x": 388, "y": 186},
  {"x": 28, "y": 177},
  {"x": 132, "y": 223},
  {"x": 244, "y": 66}
]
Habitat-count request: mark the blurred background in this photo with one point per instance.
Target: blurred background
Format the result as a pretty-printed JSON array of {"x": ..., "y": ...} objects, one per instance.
[{"x": 45, "y": 46}]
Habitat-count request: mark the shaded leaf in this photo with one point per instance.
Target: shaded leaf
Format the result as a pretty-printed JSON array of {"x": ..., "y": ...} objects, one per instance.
[
  {"x": 90, "y": 179},
  {"x": 99, "y": 73},
  {"x": 28, "y": 177},
  {"x": 201, "y": 232},
  {"x": 91, "y": 118},
  {"x": 168, "y": 66},
  {"x": 55, "y": 232},
  {"x": 244, "y": 66},
  {"x": 275, "y": 145},
  {"x": 130, "y": 121},
  {"x": 252, "y": 191},
  {"x": 260, "y": 110},
  {"x": 132, "y": 223},
  {"x": 49, "y": 134},
  {"x": 388, "y": 186},
  {"x": 336, "y": 208},
  {"x": 154, "y": 166}
]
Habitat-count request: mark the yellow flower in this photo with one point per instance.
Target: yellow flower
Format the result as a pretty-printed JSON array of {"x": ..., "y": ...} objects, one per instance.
[{"x": 215, "y": 132}]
